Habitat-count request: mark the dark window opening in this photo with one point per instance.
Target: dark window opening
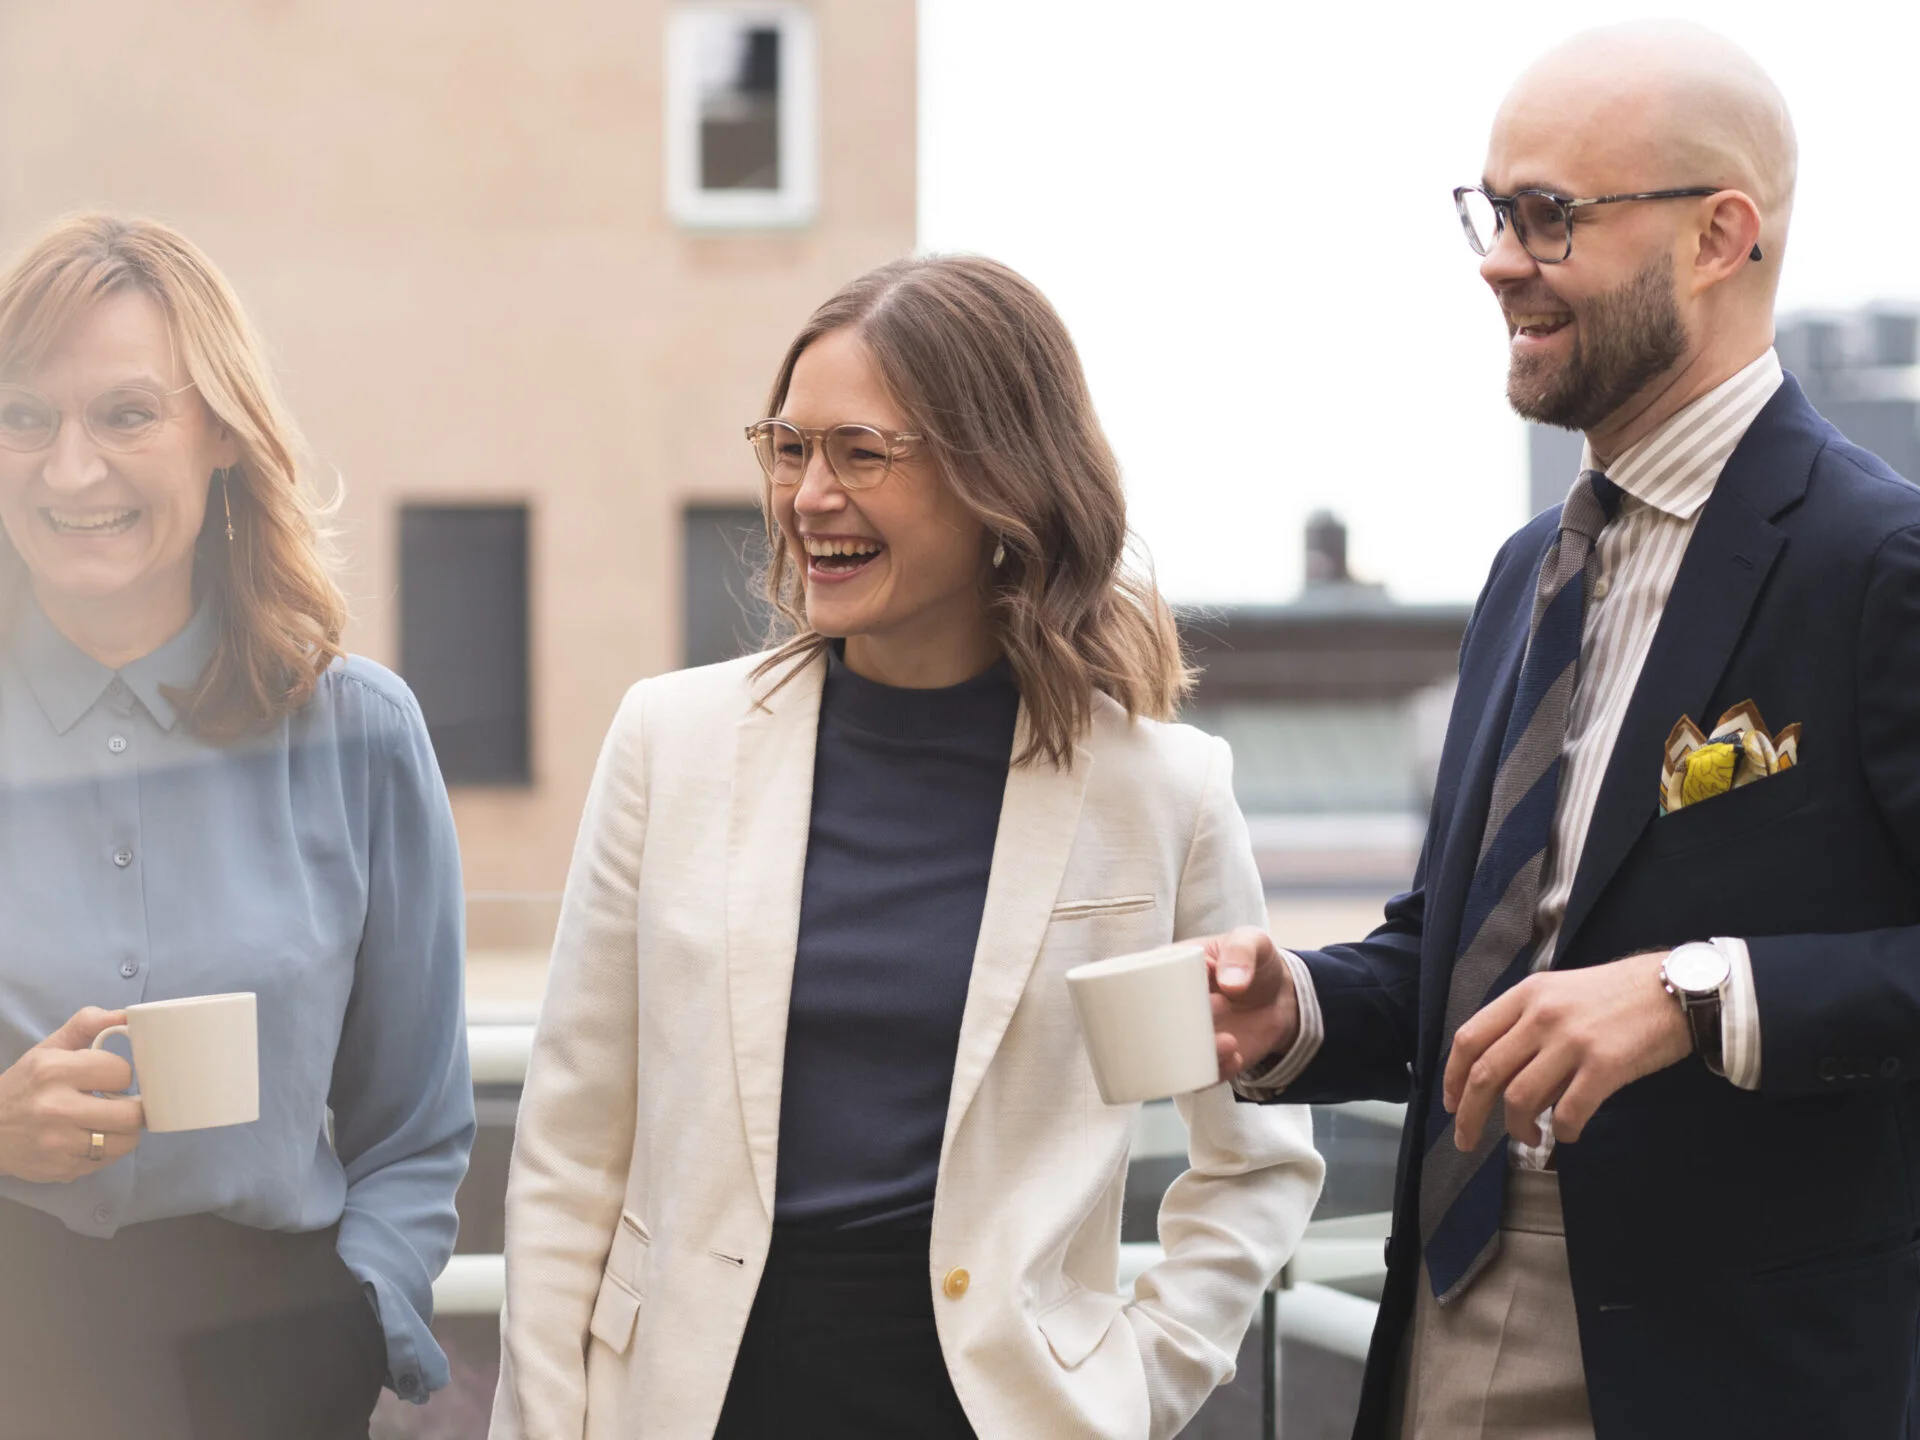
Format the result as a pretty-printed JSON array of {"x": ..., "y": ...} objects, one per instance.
[
  {"x": 739, "y": 107},
  {"x": 464, "y": 636},
  {"x": 725, "y": 550}
]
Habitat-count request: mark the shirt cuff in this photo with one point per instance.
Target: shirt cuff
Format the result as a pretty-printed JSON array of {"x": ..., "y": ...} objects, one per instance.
[
  {"x": 1739, "y": 1017},
  {"x": 1286, "y": 1067}
]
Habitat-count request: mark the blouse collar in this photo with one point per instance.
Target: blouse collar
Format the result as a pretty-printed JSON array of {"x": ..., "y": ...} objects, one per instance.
[{"x": 68, "y": 682}]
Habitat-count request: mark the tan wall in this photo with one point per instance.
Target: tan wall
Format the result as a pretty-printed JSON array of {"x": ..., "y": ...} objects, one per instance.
[{"x": 448, "y": 219}]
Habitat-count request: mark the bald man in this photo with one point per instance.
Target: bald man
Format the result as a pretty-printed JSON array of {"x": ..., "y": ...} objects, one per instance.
[{"x": 1653, "y": 997}]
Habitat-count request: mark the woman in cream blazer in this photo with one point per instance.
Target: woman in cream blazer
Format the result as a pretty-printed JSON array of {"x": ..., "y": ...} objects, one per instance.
[{"x": 702, "y": 1229}]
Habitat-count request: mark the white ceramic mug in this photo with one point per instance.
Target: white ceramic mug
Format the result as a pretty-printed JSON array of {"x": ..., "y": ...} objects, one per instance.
[
  {"x": 196, "y": 1061},
  {"x": 1148, "y": 1023}
]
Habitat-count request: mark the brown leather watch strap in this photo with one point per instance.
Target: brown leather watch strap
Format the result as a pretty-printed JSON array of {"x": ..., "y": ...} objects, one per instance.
[{"x": 1703, "y": 1018}]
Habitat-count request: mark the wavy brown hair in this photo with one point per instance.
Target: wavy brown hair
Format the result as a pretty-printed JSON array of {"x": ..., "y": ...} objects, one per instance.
[
  {"x": 982, "y": 367},
  {"x": 281, "y": 612}
]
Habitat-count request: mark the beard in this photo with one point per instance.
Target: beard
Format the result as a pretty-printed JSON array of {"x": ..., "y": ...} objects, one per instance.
[{"x": 1624, "y": 339}]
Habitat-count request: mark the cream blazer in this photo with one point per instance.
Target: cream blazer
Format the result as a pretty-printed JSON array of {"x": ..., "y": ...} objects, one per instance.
[{"x": 640, "y": 1204}]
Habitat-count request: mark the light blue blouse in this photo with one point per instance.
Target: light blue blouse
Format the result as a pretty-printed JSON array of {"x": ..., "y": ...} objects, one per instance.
[{"x": 315, "y": 865}]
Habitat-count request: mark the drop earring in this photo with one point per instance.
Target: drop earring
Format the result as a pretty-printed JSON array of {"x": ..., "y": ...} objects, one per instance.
[
  {"x": 226, "y": 500},
  {"x": 999, "y": 554}
]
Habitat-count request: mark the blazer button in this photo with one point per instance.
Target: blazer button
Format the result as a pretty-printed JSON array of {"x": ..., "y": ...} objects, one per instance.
[
  {"x": 956, "y": 1283},
  {"x": 1889, "y": 1067},
  {"x": 1825, "y": 1069}
]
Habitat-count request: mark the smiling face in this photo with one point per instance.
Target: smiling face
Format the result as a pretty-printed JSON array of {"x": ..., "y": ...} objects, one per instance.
[
  {"x": 97, "y": 525},
  {"x": 896, "y": 570},
  {"x": 1660, "y": 300},
  {"x": 1589, "y": 334}
]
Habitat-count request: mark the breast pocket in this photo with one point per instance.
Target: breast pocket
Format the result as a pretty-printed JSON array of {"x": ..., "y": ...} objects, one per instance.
[
  {"x": 1736, "y": 815},
  {"x": 1112, "y": 905},
  {"x": 622, "y": 1289}
]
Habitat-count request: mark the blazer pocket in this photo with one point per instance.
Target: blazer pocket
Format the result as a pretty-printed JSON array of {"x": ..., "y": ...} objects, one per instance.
[
  {"x": 617, "y": 1307},
  {"x": 1730, "y": 816},
  {"x": 1117, "y": 905},
  {"x": 615, "y": 1312},
  {"x": 1075, "y": 1326}
]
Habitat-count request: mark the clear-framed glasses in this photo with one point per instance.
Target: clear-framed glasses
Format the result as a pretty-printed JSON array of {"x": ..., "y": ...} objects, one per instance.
[
  {"x": 123, "y": 418},
  {"x": 860, "y": 456},
  {"x": 1543, "y": 221}
]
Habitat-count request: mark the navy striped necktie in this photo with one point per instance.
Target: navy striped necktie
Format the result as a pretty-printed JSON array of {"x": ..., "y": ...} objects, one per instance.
[{"x": 1461, "y": 1192}]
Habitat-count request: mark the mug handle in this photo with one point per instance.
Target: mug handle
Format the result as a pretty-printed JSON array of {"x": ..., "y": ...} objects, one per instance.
[{"x": 101, "y": 1039}]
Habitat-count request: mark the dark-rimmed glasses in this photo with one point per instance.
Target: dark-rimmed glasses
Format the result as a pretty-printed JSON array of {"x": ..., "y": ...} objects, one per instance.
[
  {"x": 1543, "y": 221},
  {"x": 123, "y": 418},
  {"x": 860, "y": 456}
]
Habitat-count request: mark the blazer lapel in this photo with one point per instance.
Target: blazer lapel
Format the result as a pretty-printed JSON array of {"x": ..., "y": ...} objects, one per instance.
[
  {"x": 772, "y": 803},
  {"x": 1460, "y": 849},
  {"x": 1039, "y": 817},
  {"x": 1732, "y": 552}
]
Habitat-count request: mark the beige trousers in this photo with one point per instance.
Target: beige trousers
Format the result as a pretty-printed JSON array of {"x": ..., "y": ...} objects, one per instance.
[{"x": 1503, "y": 1361}]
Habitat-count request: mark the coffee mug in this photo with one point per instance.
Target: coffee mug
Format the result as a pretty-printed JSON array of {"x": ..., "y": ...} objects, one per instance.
[
  {"x": 1148, "y": 1023},
  {"x": 196, "y": 1061}
]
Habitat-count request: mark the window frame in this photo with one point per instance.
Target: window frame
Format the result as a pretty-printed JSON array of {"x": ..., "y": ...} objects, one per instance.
[{"x": 796, "y": 202}]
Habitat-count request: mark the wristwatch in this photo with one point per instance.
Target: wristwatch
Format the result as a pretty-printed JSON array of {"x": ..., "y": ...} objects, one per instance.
[{"x": 1695, "y": 974}]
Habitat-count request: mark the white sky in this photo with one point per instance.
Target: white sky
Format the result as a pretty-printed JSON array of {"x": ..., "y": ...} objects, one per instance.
[{"x": 1243, "y": 210}]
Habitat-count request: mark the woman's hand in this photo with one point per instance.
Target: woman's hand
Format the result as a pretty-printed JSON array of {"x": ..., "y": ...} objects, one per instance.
[{"x": 48, "y": 1112}]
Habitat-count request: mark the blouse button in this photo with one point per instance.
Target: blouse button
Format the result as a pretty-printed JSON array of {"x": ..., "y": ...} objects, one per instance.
[
  {"x": 1600, "y": 588},
  {"x": 118, "y": 744},
  {"x": 956, "y": 1283},
  {"x": 123, "y": 858},
  {"x": 130, "y": 969},
  {"x": 102, "y": 1215}
]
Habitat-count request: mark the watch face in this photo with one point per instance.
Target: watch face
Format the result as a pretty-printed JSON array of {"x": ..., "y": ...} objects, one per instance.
[{"x": 1697, "y": 968}]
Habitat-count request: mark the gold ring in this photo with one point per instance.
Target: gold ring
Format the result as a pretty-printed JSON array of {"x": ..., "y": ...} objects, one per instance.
[{"x": 96, "y": 1147}]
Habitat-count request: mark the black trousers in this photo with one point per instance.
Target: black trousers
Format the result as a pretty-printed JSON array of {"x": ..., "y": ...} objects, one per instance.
[
  {"x": 189, "y": 1329},
  {"x": 841, "y": 1343}
]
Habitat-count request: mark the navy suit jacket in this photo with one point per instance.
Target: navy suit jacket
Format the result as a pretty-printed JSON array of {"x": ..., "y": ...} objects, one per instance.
[{"x": 1744, "y": 1264}]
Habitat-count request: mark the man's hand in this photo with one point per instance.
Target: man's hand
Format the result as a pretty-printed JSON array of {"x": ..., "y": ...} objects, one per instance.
[
  {"x": 1255, "y": 1011},
  {"x": 48, "y": 1111},
  {"x": 1566, "y": 1039}
]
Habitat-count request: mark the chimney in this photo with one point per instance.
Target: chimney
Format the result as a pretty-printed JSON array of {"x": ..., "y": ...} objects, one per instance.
[{"x": 1326, "y": 549}]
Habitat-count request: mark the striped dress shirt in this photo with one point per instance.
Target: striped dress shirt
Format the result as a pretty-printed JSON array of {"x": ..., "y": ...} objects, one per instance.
[{"x": 1668, "y": 476}]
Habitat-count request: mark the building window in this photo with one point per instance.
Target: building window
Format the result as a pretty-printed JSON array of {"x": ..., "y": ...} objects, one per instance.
[
  {"x": 725, "y": 549},
  {"x": 741, "y": 128},
  {"x": 463, "y": 636}
]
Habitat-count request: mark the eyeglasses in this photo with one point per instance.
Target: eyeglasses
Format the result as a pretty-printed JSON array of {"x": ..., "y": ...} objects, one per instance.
[
  {"x": 123, "y": 418},
  {"x": 1543, "y": 221},
  {"x": 860, "y": 456}
]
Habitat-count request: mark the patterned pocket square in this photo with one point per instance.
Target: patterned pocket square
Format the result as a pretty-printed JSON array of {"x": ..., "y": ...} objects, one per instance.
[{"x": 1739, "y": 751}]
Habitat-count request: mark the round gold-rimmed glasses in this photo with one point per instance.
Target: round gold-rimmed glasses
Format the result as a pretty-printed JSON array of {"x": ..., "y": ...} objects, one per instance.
[
  {"x": 860, "y": 456},
  {"x": 123, "y": 418}
]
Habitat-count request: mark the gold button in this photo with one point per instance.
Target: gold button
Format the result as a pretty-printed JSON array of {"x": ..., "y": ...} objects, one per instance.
[{"x": 956, "y": 1283}]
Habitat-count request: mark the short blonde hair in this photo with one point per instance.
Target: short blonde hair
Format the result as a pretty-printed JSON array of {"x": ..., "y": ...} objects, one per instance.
[
  {"x": 982, "y": 367},
  {"x": 281, "y": 612}
]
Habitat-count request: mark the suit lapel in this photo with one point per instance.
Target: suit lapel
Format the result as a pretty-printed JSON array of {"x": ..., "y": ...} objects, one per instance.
[
  {"x": 1460, "y": 851},
  {"x": 1039, "y": 817},
  {"x": 772, "y": 803},
  {"x": 1732, "y": 552}
]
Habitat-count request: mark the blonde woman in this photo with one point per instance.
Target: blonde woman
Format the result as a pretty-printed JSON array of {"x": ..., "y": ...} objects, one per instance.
[
  {"x": 809, "y": 1144},
  {"x": 200, "y": 794}
]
